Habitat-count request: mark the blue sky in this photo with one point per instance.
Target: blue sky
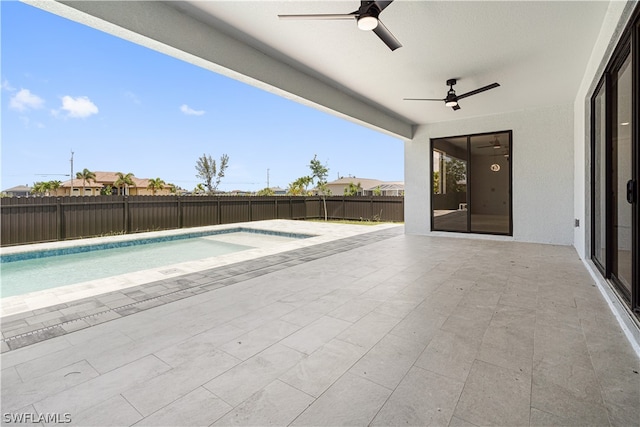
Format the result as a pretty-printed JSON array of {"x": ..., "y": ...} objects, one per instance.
[{"x": 124, "y": 108}]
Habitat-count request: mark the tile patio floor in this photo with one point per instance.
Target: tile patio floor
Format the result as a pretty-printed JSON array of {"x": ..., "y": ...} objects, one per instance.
[{"x": 385, "y": 329}]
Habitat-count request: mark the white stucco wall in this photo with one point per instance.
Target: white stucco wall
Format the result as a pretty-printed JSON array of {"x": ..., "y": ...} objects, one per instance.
[{"x": 543, "y": 171}]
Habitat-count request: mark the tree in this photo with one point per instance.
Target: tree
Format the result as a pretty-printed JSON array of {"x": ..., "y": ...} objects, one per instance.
[
  {"x": 199, "y": 189},
  {"x": 54, "y": 185},
  {"x": 266, "y": 192},
  {"x": 106, "y": 191},
  {"x": 85, "y": 175},
  {"x": 436, "y": 182},
  {"x": 156, "y": 184},
  {"x": 456, "y": 175},
  {"x": 44, "y": 188},
  {"x": 124, "y": 182},
  {"x": 299, "y": 186},
  {"x": 208, "y": 171},
  {"x": 319, "y": 174},
  {"x": 377, "y": 191},
  {"x": 173, "y": 189},
  {"x": 352, "y": 189},
  {"x": 41, "y": 188}
]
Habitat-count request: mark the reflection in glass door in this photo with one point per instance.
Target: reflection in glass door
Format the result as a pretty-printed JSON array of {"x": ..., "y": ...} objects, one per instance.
[
  {"x": 471, "y": 183},
  {"x": 449, "y": 199},
  {"x": 490, "y": 184}
]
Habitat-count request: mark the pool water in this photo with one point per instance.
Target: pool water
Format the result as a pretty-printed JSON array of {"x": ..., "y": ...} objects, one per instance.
[{"x": 30, "y": 275}]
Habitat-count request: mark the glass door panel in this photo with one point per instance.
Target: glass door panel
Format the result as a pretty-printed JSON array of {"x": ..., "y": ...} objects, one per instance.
[
  {"x": 600, "y": 178},
  {"x": 489, "y": 190},
  {"x": 449, "y": 193},
  {"x": 622, "y": 173}
]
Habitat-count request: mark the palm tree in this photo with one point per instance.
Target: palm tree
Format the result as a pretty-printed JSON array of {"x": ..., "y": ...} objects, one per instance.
[
  {"x": 299, "y": 186},
  {"x": 41, "y": 187},
  {"x": 123, "y": 181},
  {"x": 85, "y": 175},
  {"x": 155, "y": 185},
  {"x": 54, "y": 185}
]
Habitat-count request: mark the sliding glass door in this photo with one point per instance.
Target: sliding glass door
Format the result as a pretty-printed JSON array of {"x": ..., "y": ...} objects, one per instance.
[
  {"x": 621, "y": 173},
  {"x": 471, "y": 184},
  {"x": 615, "y": 108}
]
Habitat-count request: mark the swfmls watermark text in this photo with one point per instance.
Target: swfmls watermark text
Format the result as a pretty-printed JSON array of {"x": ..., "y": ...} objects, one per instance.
[{"x": 32, "y": 418}]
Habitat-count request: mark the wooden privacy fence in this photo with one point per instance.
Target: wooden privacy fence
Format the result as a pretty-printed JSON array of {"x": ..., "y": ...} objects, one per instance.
[{"x": 46, "y": 219}]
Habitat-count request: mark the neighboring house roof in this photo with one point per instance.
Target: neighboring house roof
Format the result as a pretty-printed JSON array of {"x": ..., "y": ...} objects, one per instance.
[
  {"x": 18, "y": 189},
  {"x": 368, "y": 184},
  {"x": 385, "y": 186},
  {"x": 105, "y": 178},
  {"x": 364, "y": 182}
]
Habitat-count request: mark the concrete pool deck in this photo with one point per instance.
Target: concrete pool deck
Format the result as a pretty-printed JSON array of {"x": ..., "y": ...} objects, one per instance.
[
  {"x": 39, "y": 315},
  {"x": 380, "y": 328},
  {"x": 263, "y": 245}
]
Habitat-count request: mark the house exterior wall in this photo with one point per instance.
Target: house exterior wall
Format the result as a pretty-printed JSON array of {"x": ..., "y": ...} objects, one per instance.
[{"x": 543, "y": 176}]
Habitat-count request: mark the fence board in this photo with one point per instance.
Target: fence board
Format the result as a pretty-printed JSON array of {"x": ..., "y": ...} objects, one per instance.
[{"x": 44, "y": 219}]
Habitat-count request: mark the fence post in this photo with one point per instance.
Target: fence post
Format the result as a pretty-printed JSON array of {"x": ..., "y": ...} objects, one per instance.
[
  {"x": 371, "y": 207},
  {"x": 126, "y": 215},
  {"x": 219, "y": 212},
  {"x": 250, "y": 216},
  {"x": 180, "y": 221},
  {"x": 59, "y": 235}
]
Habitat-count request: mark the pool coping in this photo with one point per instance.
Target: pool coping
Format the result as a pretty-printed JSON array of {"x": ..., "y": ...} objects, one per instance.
[{"x": 30, "y": 326}]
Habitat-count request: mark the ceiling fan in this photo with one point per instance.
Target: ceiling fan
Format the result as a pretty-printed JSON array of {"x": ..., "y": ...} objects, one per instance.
[
  {"x": 495, "y": 144},
  {"x": 452, "y": 99},
  {"x": 366, "y": 17}
]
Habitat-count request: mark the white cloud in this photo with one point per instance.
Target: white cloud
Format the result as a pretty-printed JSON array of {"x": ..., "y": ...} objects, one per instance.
[
  {"x": 25, "y": 100},
  {"x": 7, "y": 86},
  {"x": 79, "y": 107},
  {"x": 190, "y": 111}
]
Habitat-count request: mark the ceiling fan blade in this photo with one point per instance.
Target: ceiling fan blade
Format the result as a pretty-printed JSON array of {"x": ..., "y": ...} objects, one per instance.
[
  {"x": 327, "y": 16},
  {"x": 456, "y": 107},
  {"x": 477, "y": 91},
  {"x": 382, "y": 5},
  {"x": 386, "y": 36},
  {"x": 422, "y": 99}
]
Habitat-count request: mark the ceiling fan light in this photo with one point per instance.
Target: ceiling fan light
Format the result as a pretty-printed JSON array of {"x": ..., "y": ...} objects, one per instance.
[
  {"x": 451, "y": 100},
  {"x": 367, "y": 22}
]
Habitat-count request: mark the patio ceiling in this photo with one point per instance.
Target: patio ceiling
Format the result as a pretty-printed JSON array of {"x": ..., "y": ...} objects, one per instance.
[{"x": 536, "y": 50}]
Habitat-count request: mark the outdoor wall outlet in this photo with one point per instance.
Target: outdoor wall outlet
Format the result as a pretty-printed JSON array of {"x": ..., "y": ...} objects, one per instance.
[{"x": 576, "y": 222}]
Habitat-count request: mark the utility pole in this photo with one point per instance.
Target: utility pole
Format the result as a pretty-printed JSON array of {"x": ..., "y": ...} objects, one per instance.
[
  {"x": 71, "y": 192},
  {"x": 268, "y": 178}
]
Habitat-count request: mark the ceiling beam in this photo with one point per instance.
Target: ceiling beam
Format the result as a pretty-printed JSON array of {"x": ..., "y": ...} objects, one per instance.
[{"x": 159, "y": 26}]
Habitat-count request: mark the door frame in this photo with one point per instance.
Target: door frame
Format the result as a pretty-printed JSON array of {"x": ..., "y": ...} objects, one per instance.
[
  {"x": 629, "y": 44},
  {"x": 470, "y": 184}
]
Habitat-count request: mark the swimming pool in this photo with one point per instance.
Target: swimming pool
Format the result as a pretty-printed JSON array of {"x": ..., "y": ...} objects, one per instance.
[{"x": 31, "y": 271}]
